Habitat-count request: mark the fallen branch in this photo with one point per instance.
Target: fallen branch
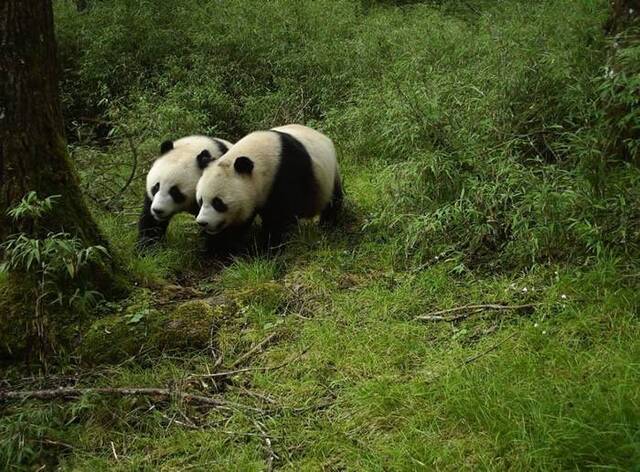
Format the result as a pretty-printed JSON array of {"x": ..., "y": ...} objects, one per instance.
[
  {"x": 253, "y": 369},
  {"x": 165, "y": 393},
  {"x": 253, "y": 350},
  {"x": 260, "y": 396},
  {"x": 475, "y": 357},
  {"x": 51, "y": 442},
  {"x": 470, "y": 309},
  {"x": 447, "y": 318}
]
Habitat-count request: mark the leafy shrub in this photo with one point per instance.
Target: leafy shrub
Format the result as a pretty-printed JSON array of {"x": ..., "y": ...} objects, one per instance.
[
  {"x": 620, "y": 95},
  {"x": 54, "y": 266}
]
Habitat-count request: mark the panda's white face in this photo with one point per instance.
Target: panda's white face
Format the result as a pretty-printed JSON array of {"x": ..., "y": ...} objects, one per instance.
[
  {"x": 225, "y": 196},
  {"x": 171, "y": 186}
]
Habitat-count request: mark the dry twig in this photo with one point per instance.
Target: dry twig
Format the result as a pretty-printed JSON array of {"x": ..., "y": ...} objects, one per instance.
[
  {"x": 475, "y": 357},
  {"x": 113, "y": 449},
  {"x": 252, "y": 369},
  {"x": 253, "y": 350},
  {"x": 165, "y": 393},
  {"x": 271, "y": 455},
  {"x": 51, "y": 442},
  {"x": 260, "y": 396},
  {"x": 470, "y": 309}
]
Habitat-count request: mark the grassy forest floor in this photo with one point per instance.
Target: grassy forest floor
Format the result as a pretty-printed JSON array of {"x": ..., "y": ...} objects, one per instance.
[{"x": 478, "y": 169}]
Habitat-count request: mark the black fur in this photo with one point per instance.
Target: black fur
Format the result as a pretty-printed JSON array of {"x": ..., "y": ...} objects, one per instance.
[
  {"x": 222, "y": 146},
  {"x": 243, "y": 165},
  {"x": 329, "y": 215},
  {"x": 204, "y": 159},
  {"x": 219, "y": 205},
  {"x": 294, "y": 191},
  {"x": 166, "y": 146},
  {"x": 230, "y": 242},
  {"x": 177, "y": 195},
  {"x": 150, "y": 230}
]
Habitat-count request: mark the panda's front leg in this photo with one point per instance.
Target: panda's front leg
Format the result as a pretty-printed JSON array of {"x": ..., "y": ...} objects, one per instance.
[
  {"x": 226, "y": 244},
  {"x": 274, "y": 228},
  {"x": 150, "y": 230}
]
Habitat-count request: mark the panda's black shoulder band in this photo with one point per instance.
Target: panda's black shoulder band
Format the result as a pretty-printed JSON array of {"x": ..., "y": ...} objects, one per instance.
[
  {"x": 166, "y": 146},
  {"x": 222, "y": 146},
  {"x": 204, "y": 158}
]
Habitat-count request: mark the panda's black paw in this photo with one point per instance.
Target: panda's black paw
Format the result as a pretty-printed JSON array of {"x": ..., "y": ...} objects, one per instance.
[
  {"x": 221, "y": 246},
  {"x": 145, "y": 243}
]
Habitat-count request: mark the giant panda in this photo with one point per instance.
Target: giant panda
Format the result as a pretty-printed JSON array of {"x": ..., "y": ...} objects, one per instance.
[
  {"x": 282, "y": 174},
  {"x": 171, "y": 183}
]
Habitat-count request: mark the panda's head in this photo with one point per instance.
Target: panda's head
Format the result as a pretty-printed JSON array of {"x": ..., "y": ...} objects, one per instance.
[
  {"x": 172, "y": 180},
  {"x": 226, "y": 194}
]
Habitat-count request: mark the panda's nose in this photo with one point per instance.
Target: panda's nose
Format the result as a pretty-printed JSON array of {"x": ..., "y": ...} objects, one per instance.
[
  {"x": 158, "y": 212},
  {"x": 203, "y": 223}
]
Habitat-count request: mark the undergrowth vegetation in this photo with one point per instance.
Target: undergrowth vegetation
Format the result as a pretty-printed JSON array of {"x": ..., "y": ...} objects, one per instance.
[{"x": 489, "y": 152}]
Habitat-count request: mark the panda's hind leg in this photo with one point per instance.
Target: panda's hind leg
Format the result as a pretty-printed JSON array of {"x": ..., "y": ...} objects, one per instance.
[{"x": 329, "y": 215}]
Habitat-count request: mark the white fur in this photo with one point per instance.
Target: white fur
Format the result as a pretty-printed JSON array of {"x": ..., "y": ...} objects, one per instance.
[
  {"x": 179, "y": 167},
  {"x": 245, "y": 195}
]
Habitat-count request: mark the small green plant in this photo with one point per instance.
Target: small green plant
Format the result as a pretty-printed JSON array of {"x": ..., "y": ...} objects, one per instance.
[
  {"x": 52, "y": 265},
  {"x": 620, "y": 95}
]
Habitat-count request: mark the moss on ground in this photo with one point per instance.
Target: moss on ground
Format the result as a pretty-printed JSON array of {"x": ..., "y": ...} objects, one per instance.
[
  {"x": 191, "y": 325},
  {"x": 142, "y": 330},
  {"x": 269, "y": 294}
]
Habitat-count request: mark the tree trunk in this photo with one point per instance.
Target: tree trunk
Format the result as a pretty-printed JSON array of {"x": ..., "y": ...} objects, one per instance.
[
  {"x": 623, "y": 12},
  {"x": 33, "y": 152},
  {"x": 81, "y": 5}
]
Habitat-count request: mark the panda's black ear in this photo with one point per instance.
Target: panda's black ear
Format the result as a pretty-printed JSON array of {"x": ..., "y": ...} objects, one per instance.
[
  {"x": 204, "y": 158},
  {"x": 166, "y": 146},
  {"x": 243, "y": 165}
]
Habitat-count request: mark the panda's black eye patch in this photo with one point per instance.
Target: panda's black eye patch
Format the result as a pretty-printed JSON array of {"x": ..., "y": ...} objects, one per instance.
[
  {"x": 155, "y": 188},
  {"x": 176, "y": 194},
  {"x": 219, "y": 205},
  {"x": 200, "y": 202}
]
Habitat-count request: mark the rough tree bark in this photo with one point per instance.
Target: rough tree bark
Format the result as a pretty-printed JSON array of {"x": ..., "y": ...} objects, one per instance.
[
  {"x": 33, "y": 153},
  {"x": 623, "y": 12}
]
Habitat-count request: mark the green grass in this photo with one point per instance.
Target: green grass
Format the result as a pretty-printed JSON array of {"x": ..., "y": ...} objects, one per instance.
[{"x": 477, "y": 170}]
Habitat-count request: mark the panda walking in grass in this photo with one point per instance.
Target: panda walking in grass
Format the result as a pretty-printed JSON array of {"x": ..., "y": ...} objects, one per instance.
[
  {"x": 171, "y": 183},
  {"x": 283, "y": 174}
]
